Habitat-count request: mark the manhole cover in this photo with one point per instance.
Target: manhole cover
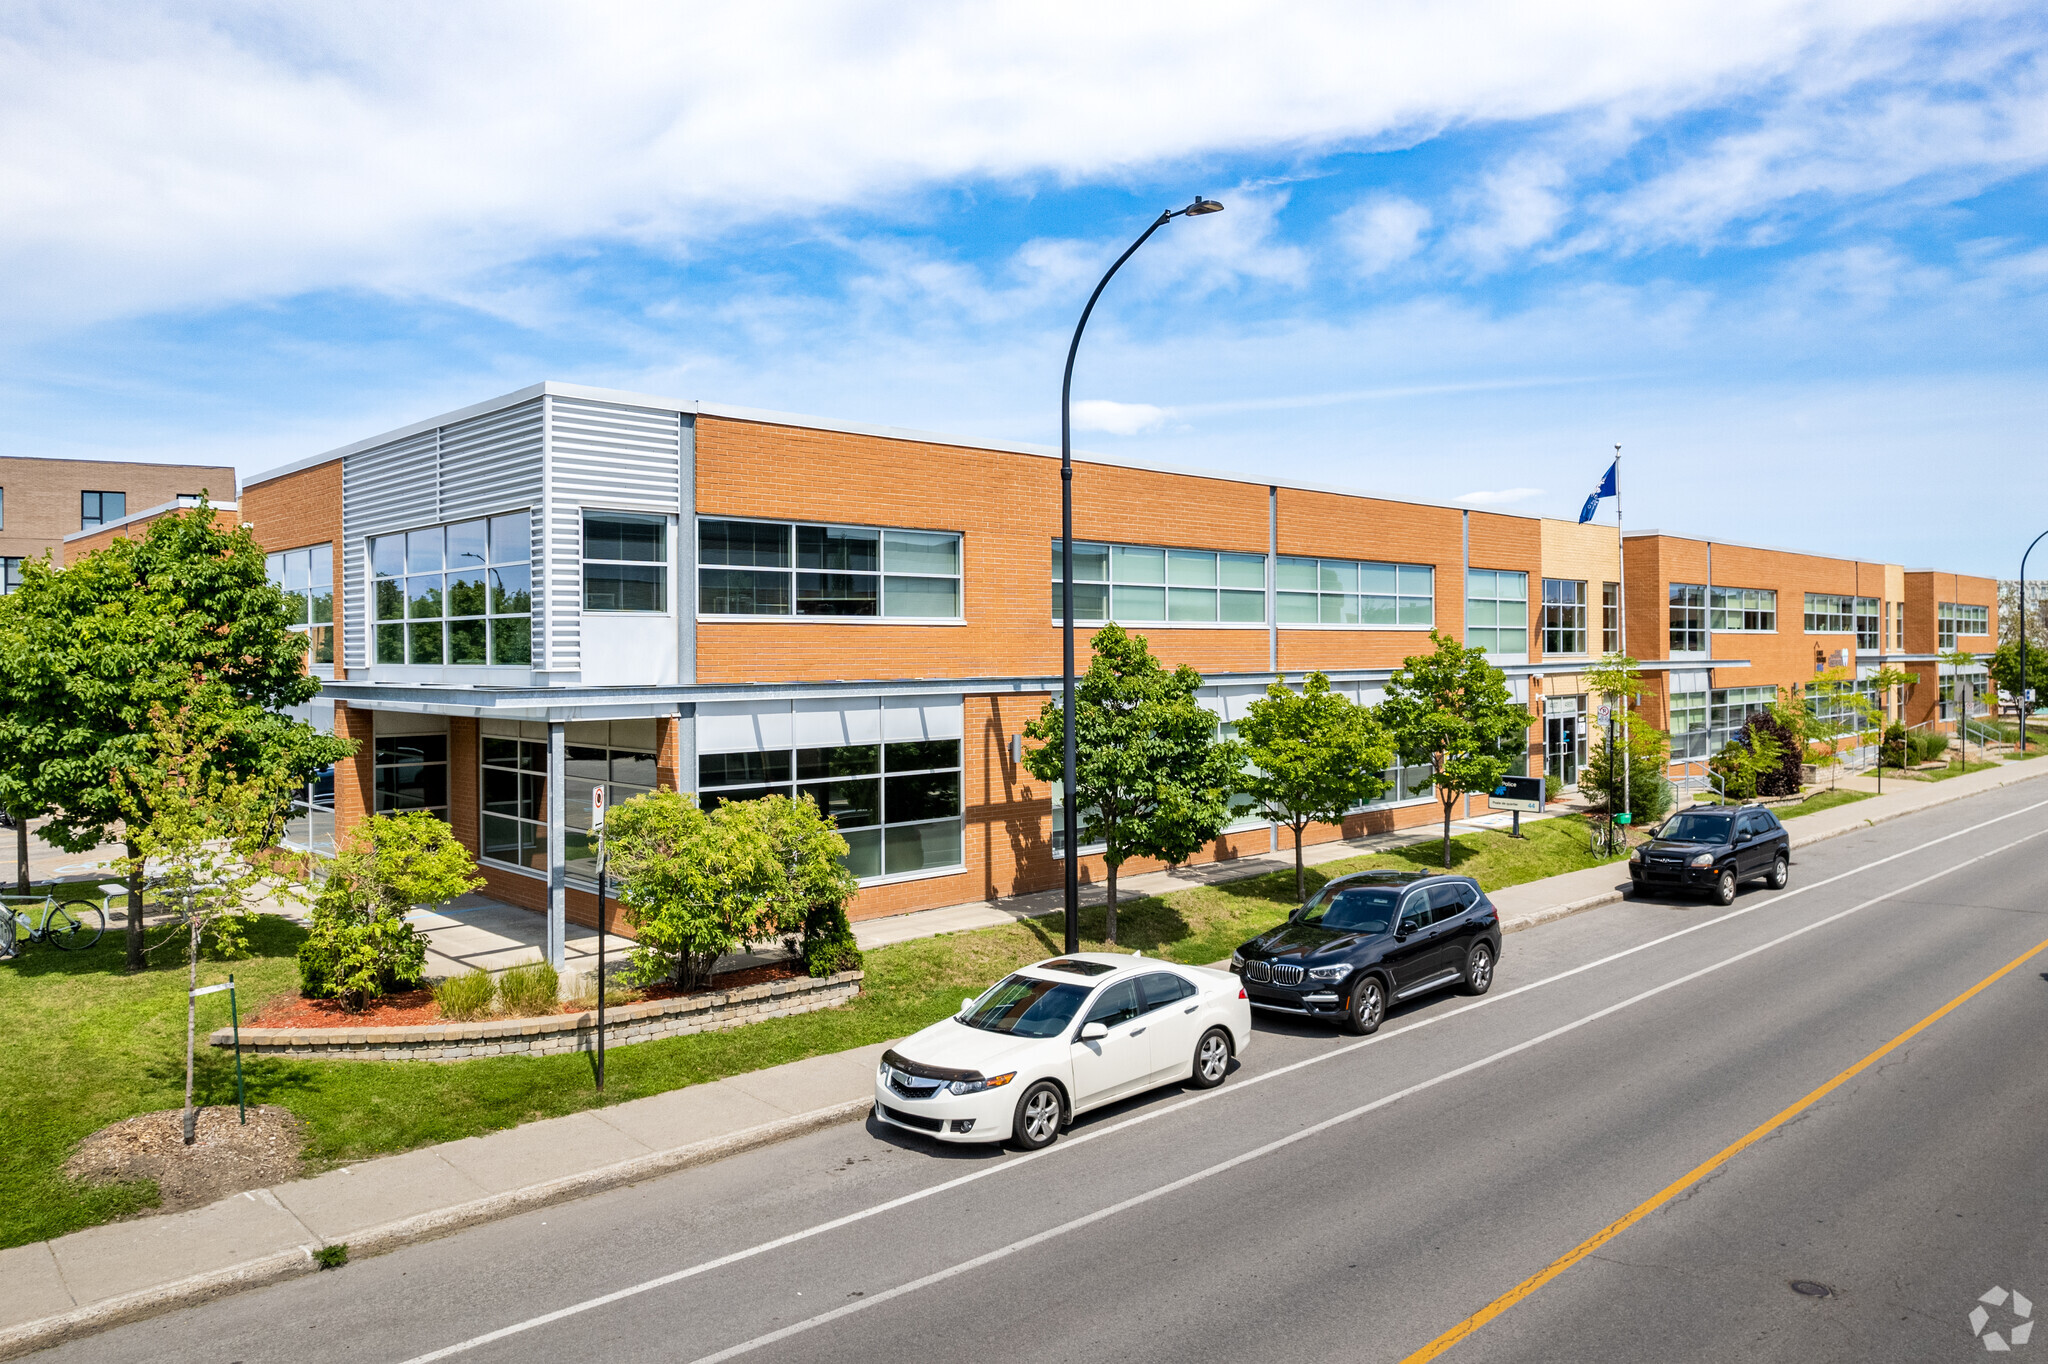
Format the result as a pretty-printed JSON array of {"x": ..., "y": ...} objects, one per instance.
[{"x": 1807, "y": 1288}]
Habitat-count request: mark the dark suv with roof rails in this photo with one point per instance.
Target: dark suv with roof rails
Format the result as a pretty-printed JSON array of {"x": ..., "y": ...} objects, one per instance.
[
  {"x": 1712, "y": 851},
  {"x": 1364, "y": 942}
]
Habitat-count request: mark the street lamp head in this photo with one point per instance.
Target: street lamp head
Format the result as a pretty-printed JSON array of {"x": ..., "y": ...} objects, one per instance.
[{"x": 1201, "y": 206}]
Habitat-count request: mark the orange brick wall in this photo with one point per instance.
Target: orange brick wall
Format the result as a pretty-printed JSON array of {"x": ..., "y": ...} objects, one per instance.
[
  {"x": 300, "y": 509},
  {"x": 354, "y": 789},
  {"x": 74, "y": 550}
]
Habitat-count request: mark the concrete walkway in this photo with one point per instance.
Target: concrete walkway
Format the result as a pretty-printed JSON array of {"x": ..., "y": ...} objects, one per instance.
[{"x": 123, "y": 1271}]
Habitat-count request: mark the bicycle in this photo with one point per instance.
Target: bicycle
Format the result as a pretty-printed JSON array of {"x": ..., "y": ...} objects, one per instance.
[{"x": 71, "y": 927}]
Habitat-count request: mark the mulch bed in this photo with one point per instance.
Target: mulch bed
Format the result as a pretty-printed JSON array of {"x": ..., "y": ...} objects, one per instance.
[
  {"x": 227, "y": 1159},
  {"x": 417, "y": 1006}
]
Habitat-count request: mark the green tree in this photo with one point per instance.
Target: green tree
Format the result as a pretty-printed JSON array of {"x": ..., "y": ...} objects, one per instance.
[
  {"x": 1619, "y": 680},
  {"x": 1153, "y": 779},
  {"x": 1314, "y": 755},
  {"x": 1452, "y": 709},
  {"x": 198, "y": 828},
  {"x": 87, "y": 652},
  {"x": 1637, "y": 783},
  {"x": 2005, "y": 668},
  {"x": 695, "y": 885},
  {"x": 1959, "y": 696},
  {"x": 360, "y": 944}
]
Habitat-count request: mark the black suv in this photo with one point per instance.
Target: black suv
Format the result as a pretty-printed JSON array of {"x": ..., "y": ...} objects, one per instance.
[
  {"x": 1714, "y": 850},
  {"x": 1368, "y": 940}
]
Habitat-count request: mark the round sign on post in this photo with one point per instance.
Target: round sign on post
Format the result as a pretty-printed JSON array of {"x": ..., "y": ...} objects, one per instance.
[{"x": 596, "y": 808}]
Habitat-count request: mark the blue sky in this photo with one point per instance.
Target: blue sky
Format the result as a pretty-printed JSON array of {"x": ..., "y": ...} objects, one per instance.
[{"x": 1790, "y": 256}]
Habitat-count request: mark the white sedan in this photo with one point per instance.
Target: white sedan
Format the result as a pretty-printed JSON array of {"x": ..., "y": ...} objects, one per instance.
[{"x": 1059, "y": 1038}]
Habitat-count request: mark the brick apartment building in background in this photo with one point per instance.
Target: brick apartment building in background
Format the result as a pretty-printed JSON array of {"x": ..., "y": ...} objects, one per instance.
[
  {"x": 44, "y": 500},
  {"x": 564, "y": 586}
]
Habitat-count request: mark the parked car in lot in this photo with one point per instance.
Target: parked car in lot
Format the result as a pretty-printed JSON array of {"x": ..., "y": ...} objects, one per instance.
[
  {"x": 1713, "y": 851},
  {"x": 1058, "y": 1038},
  {"x": 1365, "y": 941}
]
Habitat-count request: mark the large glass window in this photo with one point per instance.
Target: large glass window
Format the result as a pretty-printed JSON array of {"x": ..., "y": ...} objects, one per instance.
[
  {"x": 96, "y": 509},
  {"x": 459, "y": 594},
  {"x": 1827, "y": 614},
  {"x": 1839, "y": 714},
  {"x": 1748, "y": 610},
  {"x": 10, "y": 574},
  {"x": 310, "y": 825},
  {"x": 306, "y": 577},
  {"x": 625, "y": 561},
  {"x": 1688, "y": 618},
  {"x": 1954, "y": 619},
  {"x": 1148, "y": 585},
  {"x": 897, "y": 805},
  {"x": 1354, "y": 593},
  {"x": 1610, "y": 618},
  {"x": 410, "y": 772},
  {"x": 1497, "y": 611},
  {"x": 515, "y": 800},
  {"x": 620, "y": 755},
  {"x": 1564, "y": 616},
  {"x": 1702, "y": 723},
  {"x": 763, "y": 568}
]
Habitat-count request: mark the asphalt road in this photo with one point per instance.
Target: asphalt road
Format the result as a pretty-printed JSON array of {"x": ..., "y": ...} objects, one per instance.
[{"x": 1357, "y": 1200}]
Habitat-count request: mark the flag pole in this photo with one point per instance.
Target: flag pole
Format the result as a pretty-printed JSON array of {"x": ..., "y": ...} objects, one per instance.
[{"x": 1621, "y": 592}]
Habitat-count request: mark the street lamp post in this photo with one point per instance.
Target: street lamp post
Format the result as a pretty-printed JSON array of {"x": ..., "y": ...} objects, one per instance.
[
  {"x": 1069, "y": 805},
  {"x": 2025, "y": 704}
]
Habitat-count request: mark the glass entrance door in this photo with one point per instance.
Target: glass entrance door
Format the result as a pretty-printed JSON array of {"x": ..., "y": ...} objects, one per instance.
[{"x": 1562, "y": 736}]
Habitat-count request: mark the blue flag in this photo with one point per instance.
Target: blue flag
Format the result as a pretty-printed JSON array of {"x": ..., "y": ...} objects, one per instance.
[{"x": 1606, "y": 489}]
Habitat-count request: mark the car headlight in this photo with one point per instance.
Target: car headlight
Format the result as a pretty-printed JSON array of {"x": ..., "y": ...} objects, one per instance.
[
  {"x": 1703, "y": 860},
  {"x": 1328, "y": 972},
  {"x": 1237, "y": 961},
  {"x": 976, "y": 1086},
  {"x": 1635, "y": 854}
]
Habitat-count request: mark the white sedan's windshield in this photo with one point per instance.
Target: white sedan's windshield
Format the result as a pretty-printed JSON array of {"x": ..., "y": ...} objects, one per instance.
[{"x": 1025, "y": 1007}]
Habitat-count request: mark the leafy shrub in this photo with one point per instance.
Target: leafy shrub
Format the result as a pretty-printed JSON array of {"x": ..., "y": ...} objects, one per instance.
[
  {"x": 1928, "y": 746},
  {"x": 1649, "y": 794},
  {"x": 466, "y": 997},
  {"x": 360, "y": 945},
  {"x": 530, "y": 990},
  {"x": 1553, "y": 786},
  {"x": 828, "y": 945},
  {"x": 1892, "y": 752},
  {"x": 1767, "y": 731}
]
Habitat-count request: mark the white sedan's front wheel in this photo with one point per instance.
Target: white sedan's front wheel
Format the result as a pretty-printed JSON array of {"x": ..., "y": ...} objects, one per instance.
[
  {"x": 1212, "y": 1059},
  {"x": 1038, "y": 1116}
]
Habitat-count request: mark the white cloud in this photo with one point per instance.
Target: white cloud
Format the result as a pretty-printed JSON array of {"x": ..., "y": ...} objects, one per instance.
[
  {"x": 163, "y": 156},
  {"x": 1118, "y": 419},
  {"x": 1383, "y": 231},
  {"x": 1496, "y": 497}
]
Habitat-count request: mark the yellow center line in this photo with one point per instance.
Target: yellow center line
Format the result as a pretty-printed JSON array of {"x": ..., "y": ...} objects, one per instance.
[{"x": 1527, "y": 1287}]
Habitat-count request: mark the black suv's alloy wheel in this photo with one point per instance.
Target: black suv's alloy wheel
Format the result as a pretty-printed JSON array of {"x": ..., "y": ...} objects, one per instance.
[
  {"x": 1724, "y": 888},
  {"x": 1781, "y": 872},
  {"x": 1368, "y": 1007},
  {"x": 1479, "y": 970}
]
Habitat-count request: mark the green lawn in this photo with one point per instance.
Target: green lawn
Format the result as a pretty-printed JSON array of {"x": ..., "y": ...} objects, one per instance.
[
  {"x": 1822, "y": 800},
  {"x": 89, "y": 1045},
  {"x": 1955, "y": 770}
]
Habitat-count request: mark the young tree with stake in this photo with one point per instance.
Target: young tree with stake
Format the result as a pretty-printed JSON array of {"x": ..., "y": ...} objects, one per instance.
[
  {"x": 1314, "y": 754},
  {"x": 1153, "y": 778},
  {"x": 1451, "y": 709}
]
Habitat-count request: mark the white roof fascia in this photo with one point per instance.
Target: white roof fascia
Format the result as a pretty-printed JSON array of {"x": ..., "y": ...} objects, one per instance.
[{"x": 157, "y": 510}]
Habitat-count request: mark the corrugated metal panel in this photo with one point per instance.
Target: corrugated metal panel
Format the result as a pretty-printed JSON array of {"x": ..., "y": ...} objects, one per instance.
[
  {"x": 392, "y": 487},
  {"x": 598, "y": 454},
  {"x": 491, "y": 463}
]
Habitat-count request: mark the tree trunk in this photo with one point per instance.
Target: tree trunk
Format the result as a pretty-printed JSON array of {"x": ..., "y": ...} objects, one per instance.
[
  {"x": 1447, "y": 829},
  {"x": 191, "y": 1014},
  {"x": 1300, "y": 882},
  {"x": 21, "y": 852},
  {"x": 134, "y": 907},
  {"x": 1109, "y": 915}
]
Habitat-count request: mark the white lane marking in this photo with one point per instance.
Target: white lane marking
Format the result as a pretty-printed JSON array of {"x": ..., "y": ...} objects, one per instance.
[
  {"x": 1256, "y": 1153},
  {"x": 1075, "y": 1141}
]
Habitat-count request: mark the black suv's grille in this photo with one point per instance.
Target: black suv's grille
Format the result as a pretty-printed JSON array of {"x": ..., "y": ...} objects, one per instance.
[
  {"x": 1257, "y": 972},
  {"x": 1286, "y": 975}
]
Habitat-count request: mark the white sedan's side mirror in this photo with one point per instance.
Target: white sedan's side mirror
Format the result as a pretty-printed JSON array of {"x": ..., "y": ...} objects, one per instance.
[
  {"x": 1094, "y": 1032},
  {"x": 966, "y": 1007}
]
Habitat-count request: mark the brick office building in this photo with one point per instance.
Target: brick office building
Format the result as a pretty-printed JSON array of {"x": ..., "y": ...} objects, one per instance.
[
  {"x": 42, "y": 501},
  {"x": 565, "y": 585}
]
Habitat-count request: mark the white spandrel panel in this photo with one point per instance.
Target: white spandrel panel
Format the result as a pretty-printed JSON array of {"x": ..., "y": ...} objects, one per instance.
[
  {"x": 391, "y": 487},
  {"x": 829, "y": 721},
  {"x": 922, "y": 717},
  {"x": 742, "y": 726}
]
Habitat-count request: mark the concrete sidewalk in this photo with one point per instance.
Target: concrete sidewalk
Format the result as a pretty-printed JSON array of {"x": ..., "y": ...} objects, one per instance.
[{"x": 123, "y": 1271}]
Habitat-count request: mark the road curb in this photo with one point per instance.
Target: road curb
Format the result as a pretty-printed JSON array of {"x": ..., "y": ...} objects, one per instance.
[
  {"x": 1553, "y": 912},
  {"x": 22, "y": 1339}
]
